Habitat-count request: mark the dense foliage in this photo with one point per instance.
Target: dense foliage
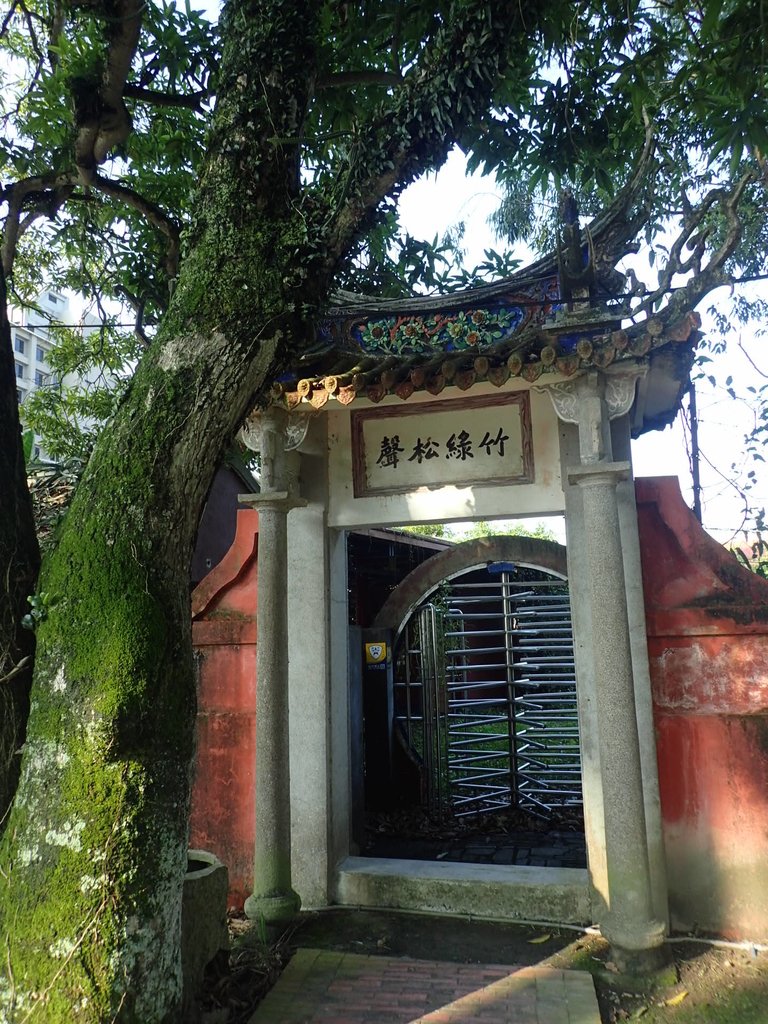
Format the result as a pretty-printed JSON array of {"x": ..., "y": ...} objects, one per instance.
[
  {"x": 106, "y": 218},
  {"x": 222, "y": 181}
]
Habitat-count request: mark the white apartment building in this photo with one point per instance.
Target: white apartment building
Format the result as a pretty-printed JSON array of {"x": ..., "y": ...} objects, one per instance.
[{"x": 32, "y": 341}]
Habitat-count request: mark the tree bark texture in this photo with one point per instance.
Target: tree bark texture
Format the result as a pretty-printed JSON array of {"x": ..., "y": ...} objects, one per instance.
[
  {"x": 94, "y": 854},
  {"x": 19, "y": 566}
]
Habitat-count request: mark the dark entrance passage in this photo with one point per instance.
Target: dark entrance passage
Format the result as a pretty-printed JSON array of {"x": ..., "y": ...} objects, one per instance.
[{"x": 481, "y": 717}]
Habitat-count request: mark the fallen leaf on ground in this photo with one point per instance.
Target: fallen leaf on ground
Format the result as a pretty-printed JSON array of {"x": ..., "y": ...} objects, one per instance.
[
  {"x": 539, "y": 939},
  {"x": 676, "y": 1000}
]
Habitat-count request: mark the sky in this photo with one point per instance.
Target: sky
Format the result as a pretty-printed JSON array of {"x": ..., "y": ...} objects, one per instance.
[{"x": 436, "y": 202}]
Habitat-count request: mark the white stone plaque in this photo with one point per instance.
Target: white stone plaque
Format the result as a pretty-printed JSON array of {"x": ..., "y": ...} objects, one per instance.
[{"x": 468, "y": 440}]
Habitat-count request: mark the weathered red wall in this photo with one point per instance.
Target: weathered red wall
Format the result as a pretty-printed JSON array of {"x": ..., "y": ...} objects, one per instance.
[
  {"x": 223, "y": 817},
  {"x": 708, "y": 644}
]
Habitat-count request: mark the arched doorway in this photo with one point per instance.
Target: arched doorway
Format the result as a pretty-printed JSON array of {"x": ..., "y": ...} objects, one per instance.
[{"x": 484, "y": 724}]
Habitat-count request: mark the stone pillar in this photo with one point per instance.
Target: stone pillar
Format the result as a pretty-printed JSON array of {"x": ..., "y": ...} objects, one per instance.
[
  {"x": 633, "y": 577},
  {"x": 273, "y": 899},
  {"x": 309, "y": 675},
  {"x": 629, "y": 926},
  {"x": 629, "y": 922}
]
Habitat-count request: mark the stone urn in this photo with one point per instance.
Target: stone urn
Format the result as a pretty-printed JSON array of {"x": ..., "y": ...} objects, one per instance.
[{"x": 203, "y": 923}]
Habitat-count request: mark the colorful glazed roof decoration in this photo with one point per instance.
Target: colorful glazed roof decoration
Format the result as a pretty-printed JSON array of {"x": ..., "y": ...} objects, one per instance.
[
  {"x": 405, "y": 352},
  {"x": 567, "y": 313}
]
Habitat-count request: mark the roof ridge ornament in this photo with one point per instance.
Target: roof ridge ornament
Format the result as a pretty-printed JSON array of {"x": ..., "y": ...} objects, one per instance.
[{"x": 575, "y": 266}]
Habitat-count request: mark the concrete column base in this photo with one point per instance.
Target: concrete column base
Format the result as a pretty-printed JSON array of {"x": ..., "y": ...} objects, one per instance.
[
  {"x": 640, "y": 962},
  {"x": 638, "y": 952},
  {"x": 273, "y": 909},
  {"x": 632, "y": 935},
  {"x": 646, "y": 970}
]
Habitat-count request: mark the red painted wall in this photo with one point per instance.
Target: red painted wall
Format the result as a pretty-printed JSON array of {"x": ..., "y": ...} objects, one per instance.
[
  {"x": 707, "y": 621},
  {"x": 223, "y": 816},
  {"x": 708, "y": 645}
]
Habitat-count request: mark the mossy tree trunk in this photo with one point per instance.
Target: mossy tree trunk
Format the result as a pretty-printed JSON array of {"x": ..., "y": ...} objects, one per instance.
[
  {"x": 93, "y": 858},
  {"x": 19, "y": 566},
  {"x": 90, "y": 893}
]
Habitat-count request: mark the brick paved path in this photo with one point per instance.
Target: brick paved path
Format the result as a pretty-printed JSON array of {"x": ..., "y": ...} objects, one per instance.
[{"x": 347, "y": 988}]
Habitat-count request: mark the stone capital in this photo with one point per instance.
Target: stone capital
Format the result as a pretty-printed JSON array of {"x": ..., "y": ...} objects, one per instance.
[
  {"x": 620, "y": 387},
  {"x": 296, "y": 429},
  {"x": 597, "y": 473},
  {"x": 616, "y": 387},
  {"x": 275, "y": 436},
  {"x": 565, "y": 400},
  {"x": 280, "y": 501}
]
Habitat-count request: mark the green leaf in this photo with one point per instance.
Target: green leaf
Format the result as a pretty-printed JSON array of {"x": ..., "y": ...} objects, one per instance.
[{"x": 28, "y": 445}]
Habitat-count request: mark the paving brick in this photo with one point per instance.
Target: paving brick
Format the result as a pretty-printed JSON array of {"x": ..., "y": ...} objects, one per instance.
[{"x": 350, "y": 988}]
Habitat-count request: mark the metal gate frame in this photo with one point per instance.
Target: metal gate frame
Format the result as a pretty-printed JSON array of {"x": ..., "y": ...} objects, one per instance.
[{"x": 485, "y": 694}]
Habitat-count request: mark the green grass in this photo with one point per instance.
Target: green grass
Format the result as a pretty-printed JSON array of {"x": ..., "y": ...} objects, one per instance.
[{"x": 720, "y": 986}]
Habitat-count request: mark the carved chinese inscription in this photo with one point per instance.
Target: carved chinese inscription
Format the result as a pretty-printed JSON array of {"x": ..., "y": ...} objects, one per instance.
[{"x": 466, "y": 441}]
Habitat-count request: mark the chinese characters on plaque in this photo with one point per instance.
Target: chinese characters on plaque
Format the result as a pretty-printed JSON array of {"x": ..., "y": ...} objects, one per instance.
[
  {"x": 458, "y": 446},
  {"x": 466, "y": 441}
]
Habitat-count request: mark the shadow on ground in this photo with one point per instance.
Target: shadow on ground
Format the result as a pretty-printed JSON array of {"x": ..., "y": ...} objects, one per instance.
[
  {"x": 429, "y": 937},
  {"x": 714, "y": 986}
]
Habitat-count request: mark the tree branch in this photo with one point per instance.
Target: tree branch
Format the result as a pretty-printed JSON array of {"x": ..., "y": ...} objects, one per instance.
[
  {"x": 101, "y": 117},
  {"x": 54, "y": 32},
  {"x": 693, "y": 235},
  {"x": 166, "y": 224},
  {"x": 755, "y": 367},
  {"x": 345, "y": 79},
  {"x": 16, "y": 670},
  {"x": 29, "y": 18},
  {"x": 8, "y": 18},
  {"x": 396, "y": 29},
  {"x": 413, "y": 130},
  {"x": 138, "y": 305},
  {"x": 43, "y": 196},
  {"x": 190, "y": 100},
  {"x": 46, "y": 193}
]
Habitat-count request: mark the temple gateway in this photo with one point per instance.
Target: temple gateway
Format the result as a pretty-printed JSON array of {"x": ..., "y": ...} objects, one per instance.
[{"x": 502, "y": 676}]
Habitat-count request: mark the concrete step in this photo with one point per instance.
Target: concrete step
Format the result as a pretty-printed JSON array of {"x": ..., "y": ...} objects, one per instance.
[{"x": 511, "y": 893}]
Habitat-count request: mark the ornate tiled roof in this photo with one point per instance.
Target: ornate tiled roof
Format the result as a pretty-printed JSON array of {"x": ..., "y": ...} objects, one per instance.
[
  {"x": 518, "y": 328},
  {"x": 565, "y": 314}
]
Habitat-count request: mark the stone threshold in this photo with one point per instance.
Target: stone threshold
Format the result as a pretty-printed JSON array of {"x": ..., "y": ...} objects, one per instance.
[{"x": 484, "y": 891}]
